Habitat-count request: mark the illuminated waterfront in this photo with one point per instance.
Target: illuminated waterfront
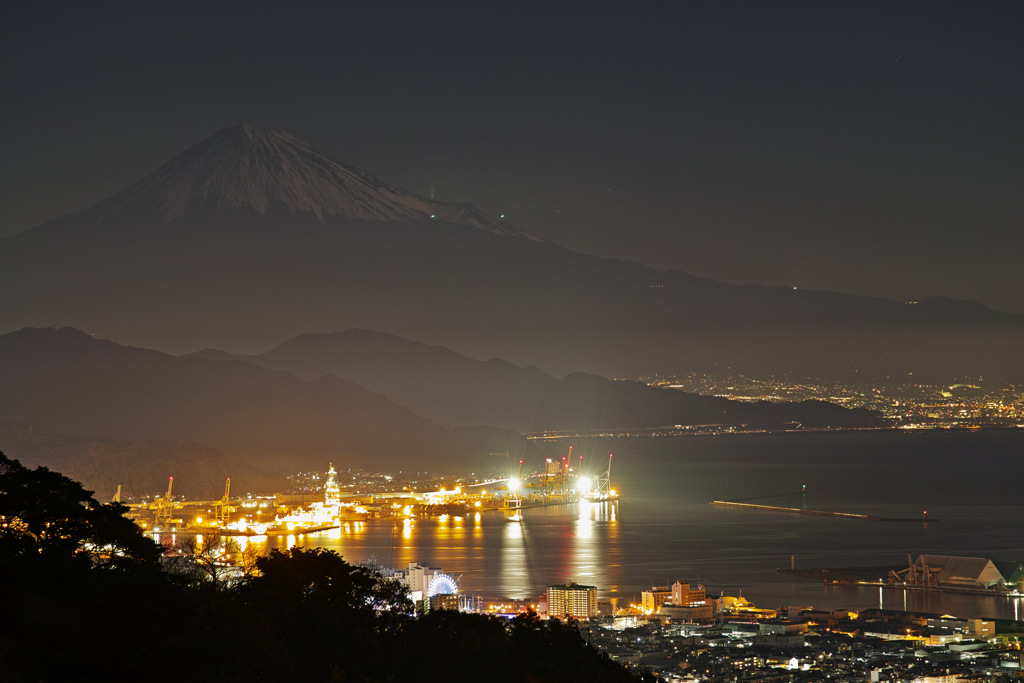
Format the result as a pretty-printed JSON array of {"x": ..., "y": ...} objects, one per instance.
[{"x": 663, "y": 528}]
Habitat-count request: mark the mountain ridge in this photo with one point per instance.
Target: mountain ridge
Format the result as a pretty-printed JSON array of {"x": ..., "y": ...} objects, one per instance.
[
  {"x": 66, "y": 382},
  {"x": 185, "y": 259},
  {"x": 454, "y": 390}
]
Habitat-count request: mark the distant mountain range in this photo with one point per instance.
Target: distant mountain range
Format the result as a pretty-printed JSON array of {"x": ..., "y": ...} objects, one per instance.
[
  {"x": 453, "y": 390},
  {"x": 123, "y": 405},
  {"x": 251, "y": 238},
  {"x": 66, "y": 382}
]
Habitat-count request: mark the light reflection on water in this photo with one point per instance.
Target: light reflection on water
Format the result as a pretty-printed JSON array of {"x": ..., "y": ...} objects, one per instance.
[
  {"x": 514, "y": 575},
  {"x": 494, "y": 553},
  {"x": 663, "y": 529}
]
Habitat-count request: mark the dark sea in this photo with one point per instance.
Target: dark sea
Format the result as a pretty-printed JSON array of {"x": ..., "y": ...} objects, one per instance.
[{"x": 663, "y": 528}]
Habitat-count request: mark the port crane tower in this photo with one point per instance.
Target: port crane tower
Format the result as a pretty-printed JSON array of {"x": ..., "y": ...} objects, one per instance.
[
  {"x": 222, "y": 508},
  {"x": 602, "y": 484},
  {"x": 514, "y": 501},
  {"x": 164, "y": 507}
]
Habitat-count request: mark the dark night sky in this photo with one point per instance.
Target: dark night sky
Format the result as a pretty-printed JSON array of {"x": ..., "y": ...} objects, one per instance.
[{"x": 869, "y": 147}]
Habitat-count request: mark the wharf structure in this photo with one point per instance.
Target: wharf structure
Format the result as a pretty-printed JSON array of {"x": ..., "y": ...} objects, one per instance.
[
  {"x": 312, "y": 511},
  {"x": 558, "y": 483},
  {"x": 953, "y": 573},
  {"x": 941, "y": 573}
]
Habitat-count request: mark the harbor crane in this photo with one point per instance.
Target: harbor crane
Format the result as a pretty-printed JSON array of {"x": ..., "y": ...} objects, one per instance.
[
  {"x": 514, "y": 501},
  {"x": 603, "y": 483},
  {"x": 164, "y": 507},
  {"x": 221, "y": 508}
]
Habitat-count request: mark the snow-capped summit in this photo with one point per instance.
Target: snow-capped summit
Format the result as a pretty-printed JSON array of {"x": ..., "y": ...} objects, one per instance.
[{"x": 259, "y": 168}]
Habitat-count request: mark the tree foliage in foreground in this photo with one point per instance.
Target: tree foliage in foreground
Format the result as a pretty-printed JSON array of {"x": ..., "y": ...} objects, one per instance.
[
  {"x": 72, "y": 569},
  {"x": 50, "y": 522},
  {"x": 85, "y": 597}
]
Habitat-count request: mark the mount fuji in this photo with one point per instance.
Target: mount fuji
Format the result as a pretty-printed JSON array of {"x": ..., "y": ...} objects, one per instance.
[
  {"x": 262, "y": 170},
  {"x": 252, "y": 237}
]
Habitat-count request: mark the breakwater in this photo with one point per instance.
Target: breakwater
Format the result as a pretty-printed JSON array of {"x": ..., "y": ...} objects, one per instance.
[
  {"x": 791, "y": 511},
  {"x": 733, "y": 505}
]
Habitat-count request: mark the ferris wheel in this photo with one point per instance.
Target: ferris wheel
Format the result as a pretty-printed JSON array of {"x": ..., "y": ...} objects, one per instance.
[{"x": 442, "y": 584}]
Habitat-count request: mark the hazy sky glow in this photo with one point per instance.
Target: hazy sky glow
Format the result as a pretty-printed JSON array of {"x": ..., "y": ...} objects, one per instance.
[{"x": 869, "y": 147}]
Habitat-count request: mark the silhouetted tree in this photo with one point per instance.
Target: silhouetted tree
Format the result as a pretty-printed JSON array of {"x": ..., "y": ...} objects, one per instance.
[
  {"x": 72, "y": 570},
  {"x": 552, "y": 650},
  {"x": 48, "y": 520},
  {"x": 210, "y": 560},
  {"x": 457, "y": 647},
  {"x": 312, "y": 601},
  {"x": 454, "y": 646}
]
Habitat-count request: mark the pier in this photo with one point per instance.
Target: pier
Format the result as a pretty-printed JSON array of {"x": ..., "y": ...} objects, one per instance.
[
  {"x": 732, "y": 505},
  {"x": 792, "y": 511}
]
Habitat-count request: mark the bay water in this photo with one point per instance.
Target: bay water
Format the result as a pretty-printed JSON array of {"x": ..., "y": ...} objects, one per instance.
[{"x": 662, "y": 528}]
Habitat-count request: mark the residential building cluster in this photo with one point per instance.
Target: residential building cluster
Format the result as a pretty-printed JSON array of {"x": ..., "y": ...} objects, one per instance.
[
  {"x": 681, "y": 634},
  {"x": 807, "y": 645}
]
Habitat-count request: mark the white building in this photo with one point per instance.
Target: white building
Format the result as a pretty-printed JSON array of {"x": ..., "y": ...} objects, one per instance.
[{"x": 426, "y": 582}]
